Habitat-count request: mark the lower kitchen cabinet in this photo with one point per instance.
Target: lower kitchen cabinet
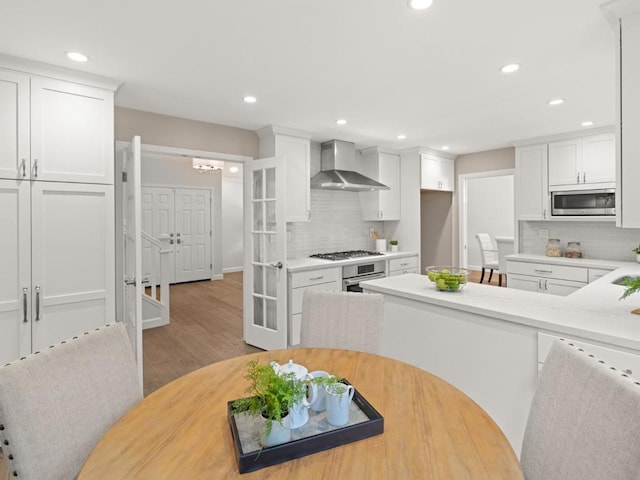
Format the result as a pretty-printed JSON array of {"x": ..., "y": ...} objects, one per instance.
[
  {"x": 546, "y": 278},
  {"x": 400, "y": 266},
  {"x": 58, "y": 263},
  {"x": 299, "y": 282}
]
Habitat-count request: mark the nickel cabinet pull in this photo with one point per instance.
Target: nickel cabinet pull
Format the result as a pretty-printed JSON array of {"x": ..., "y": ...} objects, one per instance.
[
  {"x": 23, "y": 165},
  {"x": 37, "y": 303},
  {"x": 35, "y": 167},
  {"x": 542, "y": 271},
  {"x": 313, "y": 279},
  {"x": 24, "y": 305},
  {"x": 578, "y": 177}
]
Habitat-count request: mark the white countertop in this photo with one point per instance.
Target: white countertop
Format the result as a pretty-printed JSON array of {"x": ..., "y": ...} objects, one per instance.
[
  {"x": 572, "y": 262},
  {"x": 593, "y": 312},
  {"x": 306, "y": 263}
]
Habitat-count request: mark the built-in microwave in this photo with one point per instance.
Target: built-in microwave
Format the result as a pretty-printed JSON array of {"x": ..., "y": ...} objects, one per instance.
[{"x": 584, "y": 203}]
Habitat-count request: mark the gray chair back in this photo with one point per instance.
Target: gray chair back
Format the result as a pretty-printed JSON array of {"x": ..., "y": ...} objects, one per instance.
[
  {"x": 345, "y": 320},
  {"x": 584, "y": 422},
  {"x": 56, "y": 404}
]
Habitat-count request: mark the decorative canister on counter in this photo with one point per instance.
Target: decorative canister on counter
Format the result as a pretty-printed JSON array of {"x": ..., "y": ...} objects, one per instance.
[
  {"x": 553, "y": 248},
  {"x": 574, "y": 250}
]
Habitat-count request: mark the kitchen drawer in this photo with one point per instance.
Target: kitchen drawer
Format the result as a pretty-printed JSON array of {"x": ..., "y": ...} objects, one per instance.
[
  {"x": 297, "y": 293},
  {"x": 545, "y": 270},
  {"x": 314, "y": 277},
  {"x": 402, "y": 272},
  {"x": 596, "y": 273},
  {"x": 403, "y": 263},
  {"x": 623, "y": 361}
]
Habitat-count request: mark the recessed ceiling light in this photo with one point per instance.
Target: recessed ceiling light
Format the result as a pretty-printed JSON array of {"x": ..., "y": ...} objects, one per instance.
[
  {"x": 341, "y": 121},
  {"x": 249, "y": 99},
  {"x": 510, "y": 68},
  {"x": 588, "y": 123},
  {"x": 77, "y": 57},
  {"x": 419, "y": 4},
  {"x": 234, "y": 169},
  {"x": 445, "y": 147},
  {"x": 556, "y": 101},
  {"x": 401, "y": 137}
]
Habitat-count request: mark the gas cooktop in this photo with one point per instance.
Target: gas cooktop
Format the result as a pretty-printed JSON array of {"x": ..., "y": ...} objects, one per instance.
[{"x": 345, "y": 255}]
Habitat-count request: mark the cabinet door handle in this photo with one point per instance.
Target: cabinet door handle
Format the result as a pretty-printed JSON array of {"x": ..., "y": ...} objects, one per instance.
[
  {"x": 35, "y": 167},
  {"x": 24, "y": 305},
  {"x": 545, "y": 285},
  {"x": 308, "y": 214},
  {"x": 584, "y": 177},
  {"x": 23, "y": 165},
  {"x": 37, "y": 303},
  {"x": 578, "y": 177},
  {"x": 539, "y": 284},
  {"x": 544, "y": 214}
]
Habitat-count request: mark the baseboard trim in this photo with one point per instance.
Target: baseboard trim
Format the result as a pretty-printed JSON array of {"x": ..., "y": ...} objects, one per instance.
[
  {"x": 219, "y": 276},
  {"x": 232, "y": 269},
  {"x": 153, "y": 322}
]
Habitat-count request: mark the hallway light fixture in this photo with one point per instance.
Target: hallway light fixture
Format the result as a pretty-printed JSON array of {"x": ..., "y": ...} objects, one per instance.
[
  {"x": 204, "y": 165},
  {"x": 419, "y": 4}
]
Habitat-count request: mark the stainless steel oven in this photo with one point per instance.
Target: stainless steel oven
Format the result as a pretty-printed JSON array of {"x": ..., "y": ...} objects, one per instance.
[{"x": 352, "y": 275}]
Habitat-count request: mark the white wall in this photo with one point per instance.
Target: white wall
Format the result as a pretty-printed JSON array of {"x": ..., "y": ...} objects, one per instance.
[
  {"x": 232, "y": 221},
  {"x": 489, "y": 210}
]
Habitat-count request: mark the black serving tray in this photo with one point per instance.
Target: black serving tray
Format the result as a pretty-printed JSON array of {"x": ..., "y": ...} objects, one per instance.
[{"x": 314, "y": 442}]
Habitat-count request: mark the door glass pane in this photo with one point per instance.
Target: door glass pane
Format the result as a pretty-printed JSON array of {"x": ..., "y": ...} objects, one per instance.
[
  {"x": 257, "y": 184},
  {"x": 258, "y": 311},
  {"x": 272, "y": 281},
  {"x": 271, "y": 216},
  {"x": 258, "y": 220},
  {"x": 258, "y": 285},
  {"x": 270, "y": 249},
  {"x": 257, "y": 240},
  {"x": 271, "y": 314},
  {"x": 271, "y": 182}
]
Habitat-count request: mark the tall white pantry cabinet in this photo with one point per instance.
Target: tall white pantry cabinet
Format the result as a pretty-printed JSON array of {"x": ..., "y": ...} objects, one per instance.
[{"x": 57, "y": 237}]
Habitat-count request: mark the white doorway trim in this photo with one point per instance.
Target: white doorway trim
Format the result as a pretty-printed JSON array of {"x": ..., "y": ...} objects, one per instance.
[{"x": 462, "y": 208}]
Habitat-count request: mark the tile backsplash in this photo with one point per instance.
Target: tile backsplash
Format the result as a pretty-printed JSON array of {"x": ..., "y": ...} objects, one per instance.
[
  {"x": 601, "y": 240},
  {"x": 336, "y": 225}
]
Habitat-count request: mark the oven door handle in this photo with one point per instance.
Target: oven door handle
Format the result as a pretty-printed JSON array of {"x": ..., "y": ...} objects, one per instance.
[{"x": 355, "y": 281}]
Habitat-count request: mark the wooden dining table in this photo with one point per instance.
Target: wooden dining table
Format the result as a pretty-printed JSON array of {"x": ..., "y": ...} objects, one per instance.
[{"x": 431, "y": 429}]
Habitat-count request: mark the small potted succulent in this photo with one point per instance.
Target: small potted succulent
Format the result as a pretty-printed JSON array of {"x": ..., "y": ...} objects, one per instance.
[
  {"x": 394, "y": 245},
  {"x": 637, "y": 252},
  {"x": 272, "y": 395}
]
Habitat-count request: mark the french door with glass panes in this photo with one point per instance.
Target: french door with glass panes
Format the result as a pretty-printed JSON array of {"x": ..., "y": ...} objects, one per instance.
[{"x": 265, "y": 273}]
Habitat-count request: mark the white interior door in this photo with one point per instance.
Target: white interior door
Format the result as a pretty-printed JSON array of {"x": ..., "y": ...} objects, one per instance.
[
  {"x": 265, "y": 275},
  {"x": 193, "y": 235},
  {"x": 158, "y": 220},
  {"x": 132, "y": 248}
]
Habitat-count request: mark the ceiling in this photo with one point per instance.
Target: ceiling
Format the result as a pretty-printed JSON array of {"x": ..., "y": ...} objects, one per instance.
[{"x": 432, "y": 75}]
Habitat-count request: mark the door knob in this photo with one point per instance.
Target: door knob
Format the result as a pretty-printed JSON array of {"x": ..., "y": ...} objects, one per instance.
[{"x": 277, "y": 265}]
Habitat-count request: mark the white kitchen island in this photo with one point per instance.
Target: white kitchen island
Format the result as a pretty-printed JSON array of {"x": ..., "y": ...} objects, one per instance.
[{"x": 488, "y": 341}]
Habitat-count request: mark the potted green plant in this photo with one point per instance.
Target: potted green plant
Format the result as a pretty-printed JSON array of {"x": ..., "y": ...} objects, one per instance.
[
  {"x": 637, "y": 252},
  {"x": 272, "y": 395},
  {"x": 394, "y": 245}
]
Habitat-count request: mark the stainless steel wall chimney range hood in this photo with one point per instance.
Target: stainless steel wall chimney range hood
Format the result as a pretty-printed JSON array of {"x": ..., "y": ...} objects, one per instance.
[{"x": 337, "y": 169}]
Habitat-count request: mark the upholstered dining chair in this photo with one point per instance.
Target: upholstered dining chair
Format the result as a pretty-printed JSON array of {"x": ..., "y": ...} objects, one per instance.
[
  {"x": 489, "y": 254},
  {"x": 56, "y": 404},
  {"x": 346, "y": 320},
  {"x": 584, "y": 422},
  {"x": 505, "y": 247}
]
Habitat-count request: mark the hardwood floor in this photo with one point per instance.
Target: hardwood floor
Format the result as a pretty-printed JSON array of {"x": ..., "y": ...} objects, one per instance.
[
  {"x": 475, "y": 275},
  {"x": 206, "y": 327}
]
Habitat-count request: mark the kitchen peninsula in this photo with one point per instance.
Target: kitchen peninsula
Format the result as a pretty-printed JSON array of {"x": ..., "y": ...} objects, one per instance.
[{"x": 491, "y": 342}]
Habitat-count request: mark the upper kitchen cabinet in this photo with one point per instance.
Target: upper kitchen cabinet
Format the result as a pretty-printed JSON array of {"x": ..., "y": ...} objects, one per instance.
[
  {"x": 582, "y": 163},
  {"x": 531, "y": 196},
  {"x": 628, "y": 131},
  {"x": 55, "y": 130},
  {"x": 383, "y": 166},
  {"x": 295, "y": 146},
  {"x": 437, "y": 172}
]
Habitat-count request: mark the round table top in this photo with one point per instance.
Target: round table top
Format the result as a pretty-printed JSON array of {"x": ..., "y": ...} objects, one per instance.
[{"x": 431, "y": 429}]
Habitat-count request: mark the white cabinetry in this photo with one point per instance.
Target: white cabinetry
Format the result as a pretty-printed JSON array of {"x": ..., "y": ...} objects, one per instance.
[
  {"x": 546, "y": 278},
  {"x": 321, "y": 279},
  {"x": 70, "y": 138},
  {"x": 587, "y": 162},
  {"x": 400, "y": 266},
  {"x": 295, "y": 146},
  {"x": 628, "y": 193},
  {"x": 531, "y": 197},
  {"x": 385, "y": 168},
  {"x": 437, "y": 173},
  {"x": 56, "y": 207}
]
